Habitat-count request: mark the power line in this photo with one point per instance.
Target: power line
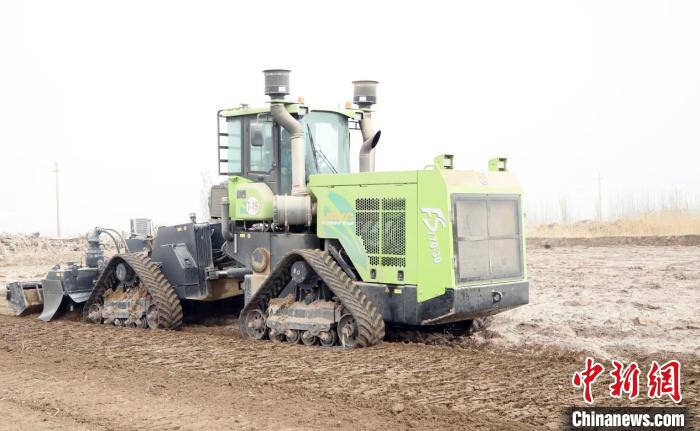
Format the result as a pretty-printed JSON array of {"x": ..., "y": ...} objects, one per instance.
[
  {"x": 58, "y": 211},
  {"x": 599, "y": 211}
]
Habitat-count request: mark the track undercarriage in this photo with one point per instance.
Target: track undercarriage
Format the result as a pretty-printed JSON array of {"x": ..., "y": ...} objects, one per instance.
[
  {"x": 132, "y": 291},
  {"x": 309, "y": 298}
]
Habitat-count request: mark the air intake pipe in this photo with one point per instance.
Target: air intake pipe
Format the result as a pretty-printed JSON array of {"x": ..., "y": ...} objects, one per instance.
[
  {"x": 364, "y": 96},
  {"x": 277, "y": 87}
]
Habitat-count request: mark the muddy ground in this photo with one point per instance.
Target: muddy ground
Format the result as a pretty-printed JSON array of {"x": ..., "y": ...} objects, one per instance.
[
  {"x": 621, "y": 301},
  {"x": 610, "y": 301}
]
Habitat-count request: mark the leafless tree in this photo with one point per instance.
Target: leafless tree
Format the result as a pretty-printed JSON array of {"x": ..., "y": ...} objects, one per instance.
[{"x": 204, "y": 187}]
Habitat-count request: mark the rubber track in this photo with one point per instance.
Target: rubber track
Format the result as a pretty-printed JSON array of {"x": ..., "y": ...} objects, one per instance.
[
  {"x": 158, "y": 286},
  {"x": 370, "y": 323}
]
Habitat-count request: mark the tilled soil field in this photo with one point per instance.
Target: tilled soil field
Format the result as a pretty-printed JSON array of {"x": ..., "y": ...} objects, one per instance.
[{"x": 633, "y": 302}]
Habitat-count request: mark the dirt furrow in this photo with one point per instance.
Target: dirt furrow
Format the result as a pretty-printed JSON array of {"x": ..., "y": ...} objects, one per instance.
[{"x": 404, "y": 385}]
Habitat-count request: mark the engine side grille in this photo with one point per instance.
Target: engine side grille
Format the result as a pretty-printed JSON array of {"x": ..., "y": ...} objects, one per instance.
[
  {"x": 367, "y": 227},
  {"x": 381, "y": 223},
  {"x": 367, "y": 204},
  {"x": 393, "y": 233}
]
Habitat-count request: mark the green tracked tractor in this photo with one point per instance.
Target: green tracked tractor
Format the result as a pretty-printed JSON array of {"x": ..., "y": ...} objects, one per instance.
[
  {"x": 335, "y": 255},
  {"x": 320, "y": 254}
]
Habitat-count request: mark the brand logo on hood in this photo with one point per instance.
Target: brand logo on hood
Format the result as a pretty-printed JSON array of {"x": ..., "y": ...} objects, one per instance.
[{"x": 434, "y": 219}]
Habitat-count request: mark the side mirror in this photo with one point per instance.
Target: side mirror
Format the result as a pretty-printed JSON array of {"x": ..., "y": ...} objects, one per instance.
[{"x": 257, "y": 134}]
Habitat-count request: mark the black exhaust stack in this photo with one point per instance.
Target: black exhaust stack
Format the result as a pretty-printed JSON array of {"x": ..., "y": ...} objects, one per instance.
[
  {"x": 276, "y": 83},
  {"x": 365, "y": 93}
]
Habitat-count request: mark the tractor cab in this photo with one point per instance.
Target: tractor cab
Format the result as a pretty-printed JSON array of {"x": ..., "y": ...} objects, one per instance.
[{"x": 253, "y": 146}]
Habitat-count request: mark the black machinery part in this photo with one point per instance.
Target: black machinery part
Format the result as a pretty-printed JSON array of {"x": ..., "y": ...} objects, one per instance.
[
  {"x": 368, "y": 321},
  {"x": 164, "y": 309},
  {"x": 24, "y": 297}
]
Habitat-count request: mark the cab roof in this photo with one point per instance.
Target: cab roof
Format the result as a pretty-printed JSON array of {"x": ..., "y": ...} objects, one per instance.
[{"x": 292, "y": 108}]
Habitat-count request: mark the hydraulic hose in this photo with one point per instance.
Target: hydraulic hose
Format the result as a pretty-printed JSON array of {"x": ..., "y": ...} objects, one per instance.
[{"x": 116, "y": 243}]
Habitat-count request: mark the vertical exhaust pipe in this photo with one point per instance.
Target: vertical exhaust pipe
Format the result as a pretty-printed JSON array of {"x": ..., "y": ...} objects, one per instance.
[
  {"x": 277, "y": 87},
  {"x": 225, "y": 220},
  {"x": 364, "y": 96}
]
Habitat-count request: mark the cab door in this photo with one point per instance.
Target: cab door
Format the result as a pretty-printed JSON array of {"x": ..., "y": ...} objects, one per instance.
[{"x": 261, "y": 154}]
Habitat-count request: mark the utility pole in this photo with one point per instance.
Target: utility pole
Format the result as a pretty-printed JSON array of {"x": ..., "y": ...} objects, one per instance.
[
  {"x": 600, "y": 197},
  {"x": 58, "y": 211}
]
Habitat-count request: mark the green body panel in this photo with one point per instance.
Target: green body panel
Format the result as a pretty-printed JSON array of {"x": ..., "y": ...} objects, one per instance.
[
  {"x": 428, "y": 257},
  {"x": 254, "y": 203},
  {"x": 434, "y": 235}
]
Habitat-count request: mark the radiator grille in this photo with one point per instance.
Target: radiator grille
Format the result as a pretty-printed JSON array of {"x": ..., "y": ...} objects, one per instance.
[
  {"x": 488, "y": 241},
  {"x": 216, "y": 193},
  {"x": 141, "y": 226},
  {"x": 381, "y": 223}
]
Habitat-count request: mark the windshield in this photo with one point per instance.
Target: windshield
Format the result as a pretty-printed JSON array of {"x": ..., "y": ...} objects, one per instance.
[
  {"x": 327, "y": 146},
  {"x": 327, "y": 142}
]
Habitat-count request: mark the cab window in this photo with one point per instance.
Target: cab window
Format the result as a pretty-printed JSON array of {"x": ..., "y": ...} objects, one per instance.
[
  {"x": 234, "y": 146},
  {"x": 260, "y": 147}
]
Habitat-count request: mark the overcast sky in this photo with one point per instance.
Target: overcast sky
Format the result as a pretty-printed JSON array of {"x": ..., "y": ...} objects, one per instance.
[{"x": 123, "y": 95}]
